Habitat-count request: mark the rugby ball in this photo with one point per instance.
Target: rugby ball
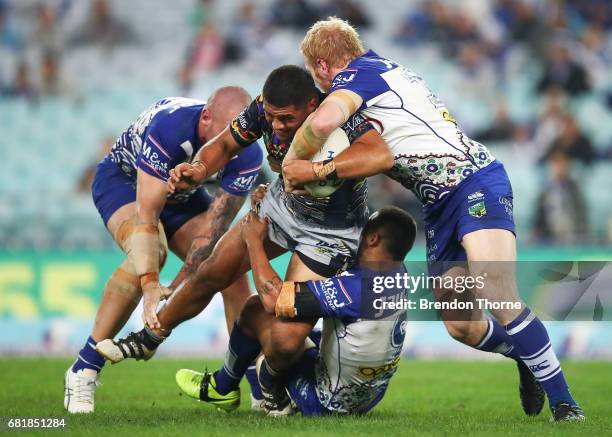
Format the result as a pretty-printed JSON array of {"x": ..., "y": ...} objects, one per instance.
[{"x": 336, "y": 143}]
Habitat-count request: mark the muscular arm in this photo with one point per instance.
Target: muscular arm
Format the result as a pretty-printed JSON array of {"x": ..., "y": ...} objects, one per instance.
[
  {"x": 367, "y": 156},
  {"x": 218, "y": 151},
  {"x": 218, "y": 219},
  {"x": 211, "y": 158},
  {"x": 332, "y": 113},
  {"x": 267, "y": 281}
]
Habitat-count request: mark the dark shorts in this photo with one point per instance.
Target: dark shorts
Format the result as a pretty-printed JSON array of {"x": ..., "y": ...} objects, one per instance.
[
  {"x": 111, "y": 189},
  {"x": 482, "y": 201}
]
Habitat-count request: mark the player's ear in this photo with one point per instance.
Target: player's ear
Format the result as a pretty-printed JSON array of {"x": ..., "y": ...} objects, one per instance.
[
  {"x": 312, "y": 104},
  {"x": 206, "y": 116},
  {"x": 322, "y": 65},
  {"x": 373, "y": 239}
]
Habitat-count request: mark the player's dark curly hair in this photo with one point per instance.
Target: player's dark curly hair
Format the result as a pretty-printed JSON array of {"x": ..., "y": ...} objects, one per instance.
[
  {"x": 397, "y": 230},
  {"x": 289, "y": 85}
]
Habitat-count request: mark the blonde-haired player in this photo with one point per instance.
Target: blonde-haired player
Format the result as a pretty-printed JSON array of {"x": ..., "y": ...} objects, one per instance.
[{"x": 466, "y": 194}]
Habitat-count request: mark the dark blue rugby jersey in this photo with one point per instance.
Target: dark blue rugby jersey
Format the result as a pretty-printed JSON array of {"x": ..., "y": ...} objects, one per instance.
[
  {"x": 345, "y": 207},
  {"x": 166, "y": 134}
]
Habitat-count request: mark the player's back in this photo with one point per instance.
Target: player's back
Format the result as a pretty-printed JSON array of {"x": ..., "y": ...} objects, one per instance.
[
  {"x": 169, "y": 125},
  {"x": 432, "y": 154}
]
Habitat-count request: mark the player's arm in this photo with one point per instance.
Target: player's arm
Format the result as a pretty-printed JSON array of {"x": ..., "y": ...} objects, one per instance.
[
  {"x": 332, "y": 113},
  {"x": 367, "y": 156},
  {"x": 242, "y": 131},
  {"x": 143, "y": 246},
  {"x": 217, "y": 221},
  {"x": 286, "y": 299},
  {"x": 268, "y": 283},
  {"x": 211, "y": 158}
]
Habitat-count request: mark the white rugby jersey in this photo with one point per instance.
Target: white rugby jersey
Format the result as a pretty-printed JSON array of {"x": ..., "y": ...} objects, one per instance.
[
  {"x": 357, "y": 355},
  {"x": 356, "y": 362},
  {"x": 432, "y": 154}
]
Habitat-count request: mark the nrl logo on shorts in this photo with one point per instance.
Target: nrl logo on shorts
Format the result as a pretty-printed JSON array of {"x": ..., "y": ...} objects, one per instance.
[{"x": 477, "y": 210}]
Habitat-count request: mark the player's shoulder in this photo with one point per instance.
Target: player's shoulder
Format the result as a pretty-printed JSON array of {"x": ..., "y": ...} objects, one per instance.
[
  {"x": 176, "y": 118},
  {"x": 251, "y": 155},
  {"x": 170, "y": 110},
  {"x": 369, "y": 66}
]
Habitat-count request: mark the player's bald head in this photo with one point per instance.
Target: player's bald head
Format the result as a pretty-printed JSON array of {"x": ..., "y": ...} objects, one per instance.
[{"x": 228, "y": 101}]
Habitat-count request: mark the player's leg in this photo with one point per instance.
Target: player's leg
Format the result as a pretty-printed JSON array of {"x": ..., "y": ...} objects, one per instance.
[
  {"x": 115, "y": 201},
  {"x": 228, "y": 261},
  {"x": 196, "y": 229},
  {"x": 284, "y": 346},
  {"x": 221, "y": 388},
  {"x": 494, "y": 251}
]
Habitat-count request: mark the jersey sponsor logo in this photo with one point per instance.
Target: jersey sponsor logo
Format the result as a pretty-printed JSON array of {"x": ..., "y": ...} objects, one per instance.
[
  {"x": 507, "y": 203},
  {"x": 344, "y": 77},
  {"x": 539, "y": 367},
  {"x": 373, "y": 372},
  {"x": 243, "y": 183},
  {"x": 330, "y": 293}
]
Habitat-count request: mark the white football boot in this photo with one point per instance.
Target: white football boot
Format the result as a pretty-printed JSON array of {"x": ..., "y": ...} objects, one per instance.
[{"x": 80, "y": 390}]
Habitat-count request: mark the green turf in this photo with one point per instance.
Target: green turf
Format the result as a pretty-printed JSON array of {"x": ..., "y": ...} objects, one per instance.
[{"x": 437, "y": 397}]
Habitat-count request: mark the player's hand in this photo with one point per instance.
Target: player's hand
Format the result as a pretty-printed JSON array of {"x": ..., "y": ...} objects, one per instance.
[
  {"x": 275, "y": 164},
  {"x": 258, "y": 194},
  {"x": 298, "y": 172},
  {"x": 292, "y": 189},
  {"x": 153, "y": 293},
  {"x": 252, "y": 228},
  {"x": 186, "y": 176}
]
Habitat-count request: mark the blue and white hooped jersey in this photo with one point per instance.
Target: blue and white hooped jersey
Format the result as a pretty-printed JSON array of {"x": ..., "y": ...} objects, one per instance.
[
  {"x": 357, "y": 357},
  {"x": 432, "y": 155},
  {"x": 166, "y": 134}
]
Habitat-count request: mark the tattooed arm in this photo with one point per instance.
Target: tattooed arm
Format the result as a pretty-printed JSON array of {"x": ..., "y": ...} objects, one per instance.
[
  {"x": 267, "y": 282},
  {"x": 219, "y": 217}
]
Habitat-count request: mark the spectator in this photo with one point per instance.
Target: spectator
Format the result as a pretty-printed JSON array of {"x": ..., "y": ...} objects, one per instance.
[
  {"x": 201, "y": 14},
  {"x": 573, "y": 143},
  {"x": 47, "y": 35},
  {"x": 560, "y": 70},
  {"x": 206, "y": 50},
  {"x": 10, "y": 36},
  {"x": 22, "y": 85},
  {"x": 297, "y": 14},
  {"x": 501, "y": 129},
  {"x": 52, "y": 82},
  {"x": 243, "y": 33},
  {"x": 550, "y": 122},
  {"x": 561, "y": 210},
  {"x": 427, "y": 24},
  {"x": 102, "y": 28},
  {"x": 347, "y": 10}
]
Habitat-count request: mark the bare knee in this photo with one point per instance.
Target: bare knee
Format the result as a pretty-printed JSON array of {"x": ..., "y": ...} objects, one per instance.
[
  {"x": 251, "y": 310},
  {"x": 461, "y": 331},
  {"x": 284, "y": 344}
]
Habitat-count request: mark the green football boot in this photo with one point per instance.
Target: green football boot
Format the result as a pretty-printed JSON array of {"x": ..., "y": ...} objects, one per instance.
[{"x": 202, "y": 386}]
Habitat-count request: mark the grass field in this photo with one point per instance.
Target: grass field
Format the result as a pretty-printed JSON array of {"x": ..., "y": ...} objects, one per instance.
[{"x": 425, "y": 397}]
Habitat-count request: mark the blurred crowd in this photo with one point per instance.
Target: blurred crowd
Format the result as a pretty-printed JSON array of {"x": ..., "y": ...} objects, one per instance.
[{"x": 566, "y": 45}]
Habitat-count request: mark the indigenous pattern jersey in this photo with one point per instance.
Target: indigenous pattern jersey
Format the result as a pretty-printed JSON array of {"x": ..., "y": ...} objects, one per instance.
[
  {"x": 432, "y": 155},
  {"x": 166, "y": 134},
  {"x": 345, "y": 207},
  {"x": 357, "y": 357}
]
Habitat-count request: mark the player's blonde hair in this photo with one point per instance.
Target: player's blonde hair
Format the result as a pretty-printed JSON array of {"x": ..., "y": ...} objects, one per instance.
[{"x": 333, "y": 40}]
